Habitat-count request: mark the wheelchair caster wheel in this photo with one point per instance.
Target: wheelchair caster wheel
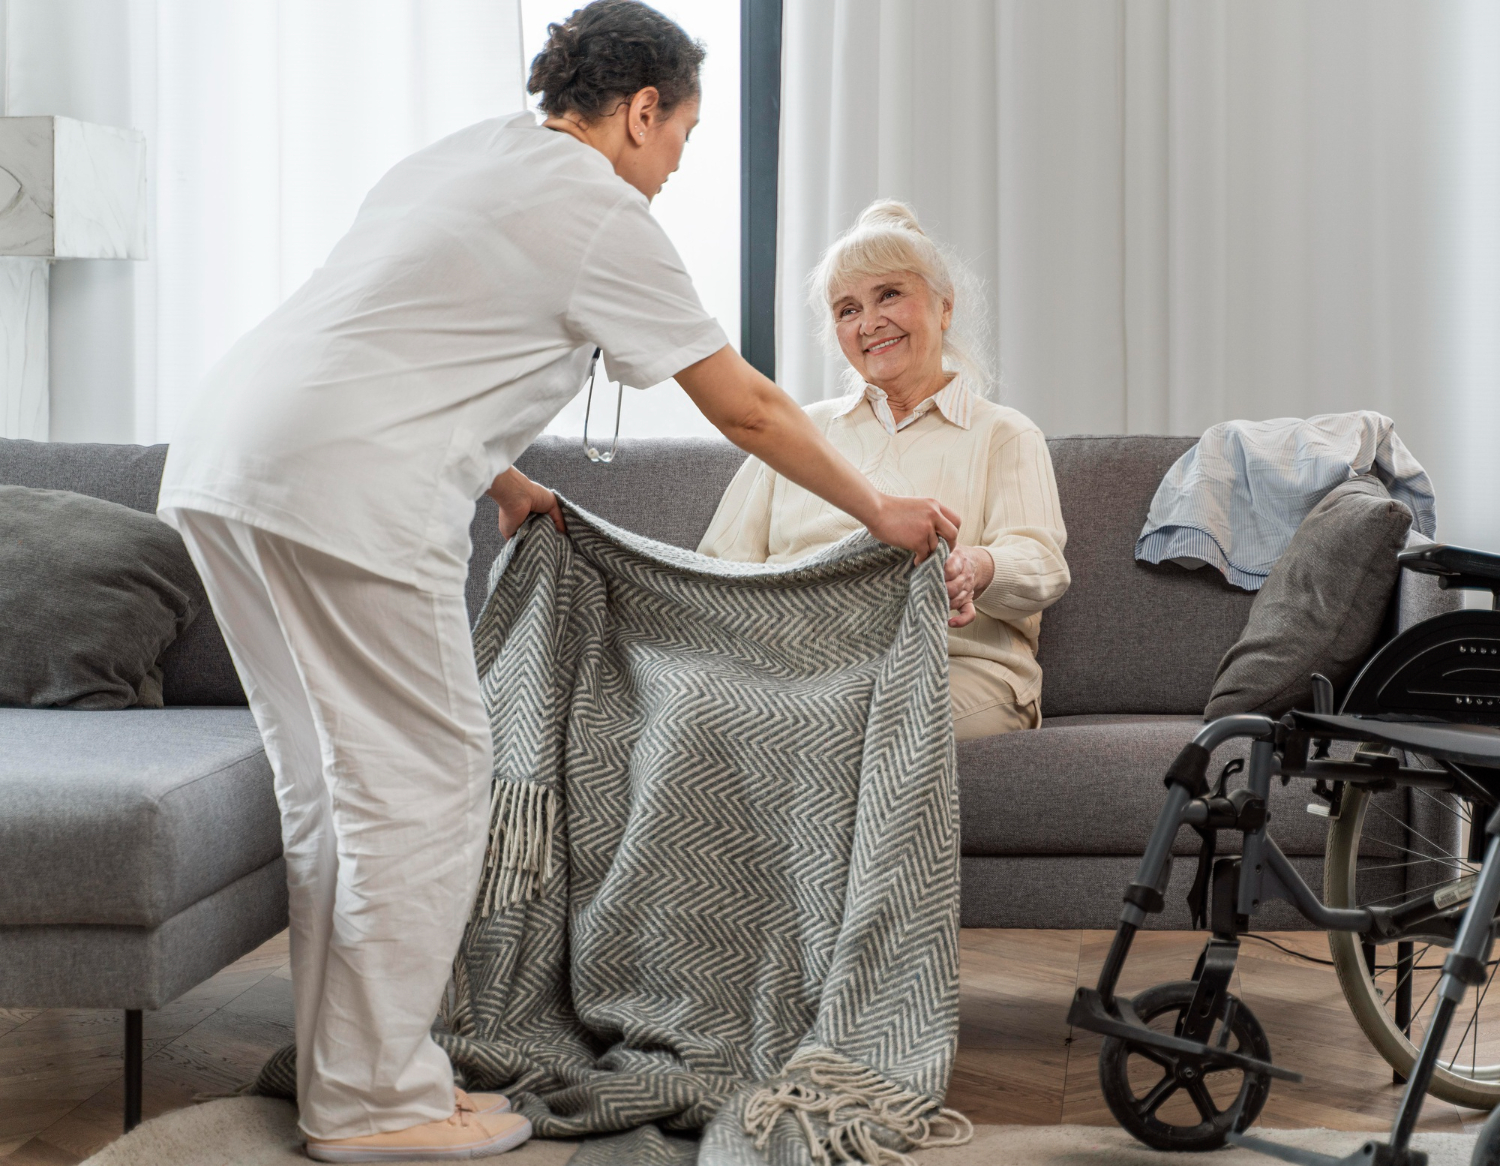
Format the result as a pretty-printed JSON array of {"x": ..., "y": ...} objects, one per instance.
[{"x": 1166, "y": 1101}]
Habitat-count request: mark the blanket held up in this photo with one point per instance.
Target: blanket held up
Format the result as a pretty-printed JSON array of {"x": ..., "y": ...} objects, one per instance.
[{"x": 719, "y": 917}]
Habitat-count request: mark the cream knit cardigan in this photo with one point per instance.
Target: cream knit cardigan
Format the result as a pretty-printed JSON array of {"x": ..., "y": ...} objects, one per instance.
[{"x": 984, "y": 461}]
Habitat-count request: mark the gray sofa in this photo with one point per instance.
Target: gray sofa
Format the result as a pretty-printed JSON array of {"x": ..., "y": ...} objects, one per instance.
[{"x": 140, "y": 850}]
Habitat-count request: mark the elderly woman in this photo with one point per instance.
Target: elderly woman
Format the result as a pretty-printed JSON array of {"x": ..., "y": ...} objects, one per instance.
[{"x": 919, "y": 423}]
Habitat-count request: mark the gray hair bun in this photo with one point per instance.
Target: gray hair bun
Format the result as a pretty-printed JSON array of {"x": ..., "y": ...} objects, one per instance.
[{"x": 887, "y": 212}]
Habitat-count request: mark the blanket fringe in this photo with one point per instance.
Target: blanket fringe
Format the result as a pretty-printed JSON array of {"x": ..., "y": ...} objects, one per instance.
[
  {"x": 519, "y": 860},
  {"x": 855, "y": 1102}
]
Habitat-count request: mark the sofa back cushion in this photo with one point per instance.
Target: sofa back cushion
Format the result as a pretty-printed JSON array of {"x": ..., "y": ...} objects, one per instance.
[
  {"x": 196, "y": 668},
  {"x": 663, "y": 488},
  {"x": 1129, "y": 637},
  {"x": 1126, "y": 638}
]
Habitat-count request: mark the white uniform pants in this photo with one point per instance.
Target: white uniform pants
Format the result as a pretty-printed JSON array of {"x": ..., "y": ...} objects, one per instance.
[{"x": 366, "y": 694}]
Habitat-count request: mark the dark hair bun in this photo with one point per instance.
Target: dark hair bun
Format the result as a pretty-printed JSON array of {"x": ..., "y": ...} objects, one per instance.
[{"x": 608, "y": 51}]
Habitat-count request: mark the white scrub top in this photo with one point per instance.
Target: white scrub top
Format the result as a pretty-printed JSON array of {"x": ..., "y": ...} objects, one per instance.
[{"x": 456, "y": 318}]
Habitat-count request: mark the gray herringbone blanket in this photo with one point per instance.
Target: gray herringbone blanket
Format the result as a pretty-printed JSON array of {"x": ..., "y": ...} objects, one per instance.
[{"x": 719, "y": 918}]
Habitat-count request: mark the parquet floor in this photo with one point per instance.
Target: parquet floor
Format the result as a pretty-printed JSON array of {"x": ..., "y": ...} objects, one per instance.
[{"x": 60, "y": 1071}]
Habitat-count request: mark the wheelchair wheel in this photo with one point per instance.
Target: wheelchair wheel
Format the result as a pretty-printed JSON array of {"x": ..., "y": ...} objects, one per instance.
[
  {"x": 1401, "y": 858},
  {"x": 1167, "y": 1104}
]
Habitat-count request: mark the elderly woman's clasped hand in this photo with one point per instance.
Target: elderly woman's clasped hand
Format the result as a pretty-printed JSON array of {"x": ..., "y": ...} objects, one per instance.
[{"x": 969, "y": 570}]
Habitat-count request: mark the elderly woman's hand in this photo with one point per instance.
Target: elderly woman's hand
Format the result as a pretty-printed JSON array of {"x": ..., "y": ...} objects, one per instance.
[{"x": 969, "y": 570}]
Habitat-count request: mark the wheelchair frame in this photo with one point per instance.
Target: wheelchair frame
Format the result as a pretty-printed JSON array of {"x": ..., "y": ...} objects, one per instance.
[{"x": 1404, "y": 681}]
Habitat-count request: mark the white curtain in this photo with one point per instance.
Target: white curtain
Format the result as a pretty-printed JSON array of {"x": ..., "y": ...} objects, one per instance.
[
  {"x": 266, "y": 123},
  {"x": 1184, "y": 211}
]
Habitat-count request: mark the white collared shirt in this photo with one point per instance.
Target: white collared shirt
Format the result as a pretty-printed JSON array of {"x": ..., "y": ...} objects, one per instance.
[
  {"x": 953, "y": 400},
  {"x": 366, "y": 414},
  {"x": 984, "y": 461}
]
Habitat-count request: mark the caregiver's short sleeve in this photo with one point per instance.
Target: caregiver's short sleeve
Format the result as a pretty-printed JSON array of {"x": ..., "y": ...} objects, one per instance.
[{"x": 634, "y": 300}]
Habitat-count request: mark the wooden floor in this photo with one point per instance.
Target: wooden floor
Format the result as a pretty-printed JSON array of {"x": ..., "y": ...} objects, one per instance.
[{"x": 60, "y": 1071}]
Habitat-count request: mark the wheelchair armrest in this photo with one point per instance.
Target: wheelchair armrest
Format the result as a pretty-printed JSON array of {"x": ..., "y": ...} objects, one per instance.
[{"x": 1455, "y": 567}]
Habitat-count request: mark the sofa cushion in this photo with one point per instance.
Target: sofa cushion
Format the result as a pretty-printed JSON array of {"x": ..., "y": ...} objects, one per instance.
[
  {"x": 128, "y": 817},
  {"x": 1128, "y": 637},
  {"x": 1321, "y": 607},
  {"x": 196, "y": 669},
  {"x": 663, "y": 488},
  {"x": 91, "y": 594},
  {"x": 1093, "y": 785}
]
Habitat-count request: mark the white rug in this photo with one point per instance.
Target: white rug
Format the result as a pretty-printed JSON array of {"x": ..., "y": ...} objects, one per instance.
[{"x": 256, "y": 1131}]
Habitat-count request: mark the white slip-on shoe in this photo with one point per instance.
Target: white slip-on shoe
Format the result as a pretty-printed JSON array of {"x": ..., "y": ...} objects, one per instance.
[
  {"x": 465, "y": 1135},
  {"x": 481, "y": 1102}
]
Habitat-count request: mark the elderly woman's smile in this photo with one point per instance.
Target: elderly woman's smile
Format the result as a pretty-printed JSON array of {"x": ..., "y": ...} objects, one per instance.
[{"x": 890, "y": 328}]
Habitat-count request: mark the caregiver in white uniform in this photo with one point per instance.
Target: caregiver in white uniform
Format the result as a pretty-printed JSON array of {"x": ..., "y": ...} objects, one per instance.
[{"x": 325, "y": 482}]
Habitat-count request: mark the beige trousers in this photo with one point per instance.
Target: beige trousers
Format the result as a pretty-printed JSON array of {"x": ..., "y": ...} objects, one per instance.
[
  {"x": 983, "y": 704},
  {"x": 367, "y": 697}
]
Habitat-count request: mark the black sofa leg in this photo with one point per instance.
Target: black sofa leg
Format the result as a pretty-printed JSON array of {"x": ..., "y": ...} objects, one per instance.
[{"x": 132, "y": 1068}]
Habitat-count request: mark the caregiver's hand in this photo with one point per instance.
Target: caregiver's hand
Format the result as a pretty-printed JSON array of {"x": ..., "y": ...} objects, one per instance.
[
  {"x": 969, "y": 570},
  {"x": 758, "y": 417},
  {"x": 519, "y": 497},
  {"x": 913, "y": 523}
]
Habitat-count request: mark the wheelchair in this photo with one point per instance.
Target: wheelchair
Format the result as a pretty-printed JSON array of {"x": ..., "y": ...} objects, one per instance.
[{"x": 1409, "y": 899}]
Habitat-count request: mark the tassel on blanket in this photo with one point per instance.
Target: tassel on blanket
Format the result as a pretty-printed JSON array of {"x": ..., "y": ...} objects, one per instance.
[
  {"x": 519, "y": 860},
  {"x": 856, "y": 1103}
]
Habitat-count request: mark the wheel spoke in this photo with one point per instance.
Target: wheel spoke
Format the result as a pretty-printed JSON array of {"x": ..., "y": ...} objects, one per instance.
[
  {"x": 1407, "y": 826},
  {"x": 1406, "y": 894},
  {"x": 1203, "y": 1099},
  {"x": 1474, "y": 1024},
  {"x": 1462, "y": 805},
  {"x": 1163, "y": 1089},
  {"x": 1417, "y": 1011},
  {"x": 1156, "y": 1057}
]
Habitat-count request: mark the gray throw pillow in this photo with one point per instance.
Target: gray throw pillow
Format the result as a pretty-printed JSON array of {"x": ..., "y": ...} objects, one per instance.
[
  {"x": 1321, "y": 607},
  {"x": 91, "y": 594}
]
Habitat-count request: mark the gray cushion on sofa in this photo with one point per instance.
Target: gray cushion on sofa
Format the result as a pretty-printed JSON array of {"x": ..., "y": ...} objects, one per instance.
[
  {"x": 1093, "y": 785},
  {"x": 1322, "y": 606},
  {"x": 196, "y": 669},
  {"x": 663, "y": 489},
  {"x": 128, "y": 817},
  {"x": 1114, "y": 643},
  {"x": 91, "y": 594}
]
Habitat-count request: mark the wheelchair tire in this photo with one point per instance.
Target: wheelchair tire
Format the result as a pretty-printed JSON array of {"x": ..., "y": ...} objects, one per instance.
[
  {"x": 1475, "y": 1085},
  {"x": 1140, "y": 1115}
]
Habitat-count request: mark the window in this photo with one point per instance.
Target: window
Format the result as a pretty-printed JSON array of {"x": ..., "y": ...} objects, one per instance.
[{"x": 699, "y": 208}]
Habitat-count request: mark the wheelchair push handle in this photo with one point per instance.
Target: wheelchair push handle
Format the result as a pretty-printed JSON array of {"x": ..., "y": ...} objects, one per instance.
[{"x": 1456, "y": 567}]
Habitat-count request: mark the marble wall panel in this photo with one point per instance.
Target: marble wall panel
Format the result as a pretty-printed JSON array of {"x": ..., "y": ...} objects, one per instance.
[
  {"x": 23, "y": 348},
  {"x": 71, "y": 189},
  {"x": 100, "y": 184},
  {"x": 26, "y": 187}
]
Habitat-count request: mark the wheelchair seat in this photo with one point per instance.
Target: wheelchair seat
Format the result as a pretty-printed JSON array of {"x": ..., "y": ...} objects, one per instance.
[{"x": 1466, "y": 744}]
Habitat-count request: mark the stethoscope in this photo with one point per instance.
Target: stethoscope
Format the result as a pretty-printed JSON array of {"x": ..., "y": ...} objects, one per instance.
[{"x": 589, "y": 451}]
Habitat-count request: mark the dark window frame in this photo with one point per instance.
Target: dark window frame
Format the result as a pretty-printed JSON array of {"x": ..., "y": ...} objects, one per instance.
[{"x": 760, "y": 150}]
